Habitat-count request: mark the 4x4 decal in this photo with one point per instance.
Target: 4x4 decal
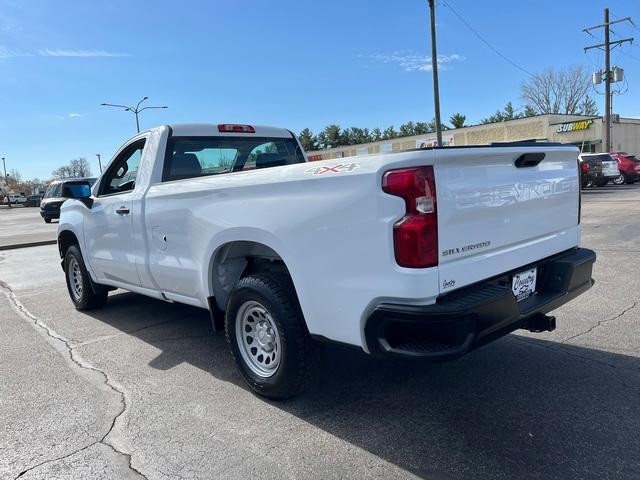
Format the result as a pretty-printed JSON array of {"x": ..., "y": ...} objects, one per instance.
[{"x": 341, "y": 167}]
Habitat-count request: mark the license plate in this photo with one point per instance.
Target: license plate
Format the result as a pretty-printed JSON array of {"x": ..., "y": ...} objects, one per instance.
[{"x": 524, "y": 284}]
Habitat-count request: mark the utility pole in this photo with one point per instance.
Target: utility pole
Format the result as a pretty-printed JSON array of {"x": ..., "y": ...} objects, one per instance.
[
  {"x": 607, "y": 46},
  {"x": 434, "y": 69},
  {"x": 135, "y": 110},
  {"x": 99, "y": 162}
]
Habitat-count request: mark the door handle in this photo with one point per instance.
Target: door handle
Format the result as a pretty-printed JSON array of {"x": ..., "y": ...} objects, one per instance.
[{"x": 122, "y": 211}]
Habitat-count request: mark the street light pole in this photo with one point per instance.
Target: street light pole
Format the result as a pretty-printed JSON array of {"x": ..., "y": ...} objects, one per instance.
[
  {"x": 136, "y": 110},
  {"x": 434, "y": 69},
  {"x": 4, "y": 166},
  {"x": 6, "y": 181},
  {"x": 99, "y": 162}
]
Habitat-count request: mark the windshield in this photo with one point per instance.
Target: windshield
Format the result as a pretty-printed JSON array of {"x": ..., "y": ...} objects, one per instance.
[{"x": 53, "y": 190}]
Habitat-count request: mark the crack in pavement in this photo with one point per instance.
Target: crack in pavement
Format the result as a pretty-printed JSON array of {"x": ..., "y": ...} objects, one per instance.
[
  {"x": 601, "y": 322},
  {"x": 80, "y": 363},
  {"x": 63, "y": 457}
]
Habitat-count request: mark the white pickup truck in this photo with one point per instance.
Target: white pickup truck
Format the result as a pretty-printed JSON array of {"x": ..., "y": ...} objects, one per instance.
[{"x": 425, "y": 254}]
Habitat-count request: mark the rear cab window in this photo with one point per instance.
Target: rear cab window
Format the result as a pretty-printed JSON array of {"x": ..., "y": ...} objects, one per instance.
[
  {"x": 189, "y": 157},
  {"x": 603, "y": 157}
]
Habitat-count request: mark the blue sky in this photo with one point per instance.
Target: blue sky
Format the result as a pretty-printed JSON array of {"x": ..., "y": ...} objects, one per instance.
[{"x": 290, "y": 63}]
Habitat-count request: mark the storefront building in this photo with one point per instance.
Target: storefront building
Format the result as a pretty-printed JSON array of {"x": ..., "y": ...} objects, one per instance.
[{"x": 586, "y": 132}]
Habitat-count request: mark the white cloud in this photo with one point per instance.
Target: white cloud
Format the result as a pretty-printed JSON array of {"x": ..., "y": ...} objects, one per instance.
[
  {"x": 11, "y": 52},
  {"x": 47, "y": 52},
  {"x": 69, "y": 115},
  {"x": 412, "y": 62}
]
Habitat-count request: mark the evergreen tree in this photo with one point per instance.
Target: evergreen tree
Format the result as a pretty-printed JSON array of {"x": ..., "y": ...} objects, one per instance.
[
  {"x": 457, "y": 120},
  {"x": 308, "y": 140}
]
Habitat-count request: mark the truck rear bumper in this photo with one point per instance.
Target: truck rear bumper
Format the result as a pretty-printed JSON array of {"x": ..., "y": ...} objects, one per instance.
[{"x": 476, "y": 315}]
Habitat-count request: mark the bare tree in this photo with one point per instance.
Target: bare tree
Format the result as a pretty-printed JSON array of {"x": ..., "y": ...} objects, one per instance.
[
  {"x": 558, "y": 91},
  {"x": 77, "y": 168},
  {"x": 80, "y": 167},
  {"x": 15, "y": 176},
  {"x": 62, "y": 172}
]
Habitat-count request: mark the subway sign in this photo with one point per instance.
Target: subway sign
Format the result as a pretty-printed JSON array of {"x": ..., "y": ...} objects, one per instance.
[{"x": 574, "y": 126}]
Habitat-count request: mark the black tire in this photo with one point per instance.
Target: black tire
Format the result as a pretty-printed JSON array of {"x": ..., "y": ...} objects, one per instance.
[
  {"x": 600, "y": 183},
  {"x": 298, "y": 355},
  {"x": 47, "y": 220},
  {"x": 86, "y": 295}
]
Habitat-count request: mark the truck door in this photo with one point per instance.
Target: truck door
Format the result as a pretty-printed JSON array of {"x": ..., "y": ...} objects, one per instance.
[{"x": 109, "y": 226}]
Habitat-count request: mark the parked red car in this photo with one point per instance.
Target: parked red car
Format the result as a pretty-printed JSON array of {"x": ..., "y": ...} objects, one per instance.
[{"x": 629, "y": 167}]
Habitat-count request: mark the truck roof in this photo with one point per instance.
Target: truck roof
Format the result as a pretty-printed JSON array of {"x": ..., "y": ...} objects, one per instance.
[{"x": 211, "y": 129}]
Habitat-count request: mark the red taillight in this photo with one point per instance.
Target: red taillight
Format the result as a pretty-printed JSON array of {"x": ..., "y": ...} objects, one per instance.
[
  {"x": 234, "y": 128},
  {"x": 585, "y": 167},
  {"x": 415, "y": 236}
]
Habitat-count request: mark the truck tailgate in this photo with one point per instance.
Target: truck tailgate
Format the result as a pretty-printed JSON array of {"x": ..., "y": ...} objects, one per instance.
[{"x": 494, "y": 216}]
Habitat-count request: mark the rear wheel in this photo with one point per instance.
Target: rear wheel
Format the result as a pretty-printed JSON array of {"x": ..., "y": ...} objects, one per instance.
[
  {"x": 84, "y": 294},
  {"x": 619, "y": 180},
  {"x": 268, "y": 337}
]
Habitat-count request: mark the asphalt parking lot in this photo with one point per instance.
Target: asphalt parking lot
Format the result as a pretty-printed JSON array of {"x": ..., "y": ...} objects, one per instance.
[
  {"x": 144, "y": 388},
  {"x": 24, "y": 225}
]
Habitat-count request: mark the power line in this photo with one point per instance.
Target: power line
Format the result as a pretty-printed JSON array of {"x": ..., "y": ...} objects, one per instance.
[
  {"x": 633, "y": 28},
  {"x": 485, "y": 41},
  {"x": 629, "y": 55}
]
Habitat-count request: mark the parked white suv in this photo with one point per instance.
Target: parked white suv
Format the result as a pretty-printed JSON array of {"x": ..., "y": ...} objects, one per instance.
[
  {"x": 609, "y": 167},
  {"x": 15, "y": 198},
  {"x": 424, "y": 254}
]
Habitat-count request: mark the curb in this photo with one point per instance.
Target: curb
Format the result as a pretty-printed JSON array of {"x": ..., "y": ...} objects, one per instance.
[{"x": 28, "y": 244}]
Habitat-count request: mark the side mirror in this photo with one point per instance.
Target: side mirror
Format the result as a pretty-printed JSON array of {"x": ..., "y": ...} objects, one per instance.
[{"x": 78, "y": 190}]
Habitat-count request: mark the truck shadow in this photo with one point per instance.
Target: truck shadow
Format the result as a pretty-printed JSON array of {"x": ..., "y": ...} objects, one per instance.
[{"x": 519, "y": 408}]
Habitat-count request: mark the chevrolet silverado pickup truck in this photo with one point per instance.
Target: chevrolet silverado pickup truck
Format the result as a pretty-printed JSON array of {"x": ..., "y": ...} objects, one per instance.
[{"x": 424, "y": 254}]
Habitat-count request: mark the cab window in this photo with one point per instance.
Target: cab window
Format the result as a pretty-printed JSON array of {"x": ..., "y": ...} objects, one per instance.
[
  {"x": 189, "y": 157},
  {"x": 121, "y": 176}
]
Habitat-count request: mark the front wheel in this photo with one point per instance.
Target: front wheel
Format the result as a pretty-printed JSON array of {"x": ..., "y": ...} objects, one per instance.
[
  {"x": 47, "y": 220},
  {"x": 84, "y": 294},
  {"x": 268, "y": 337}
]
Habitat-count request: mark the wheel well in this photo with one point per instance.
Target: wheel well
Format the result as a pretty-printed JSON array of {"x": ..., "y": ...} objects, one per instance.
[
  {"x": 235, "y": 260},
  {"x": 65, "y": 240}
]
